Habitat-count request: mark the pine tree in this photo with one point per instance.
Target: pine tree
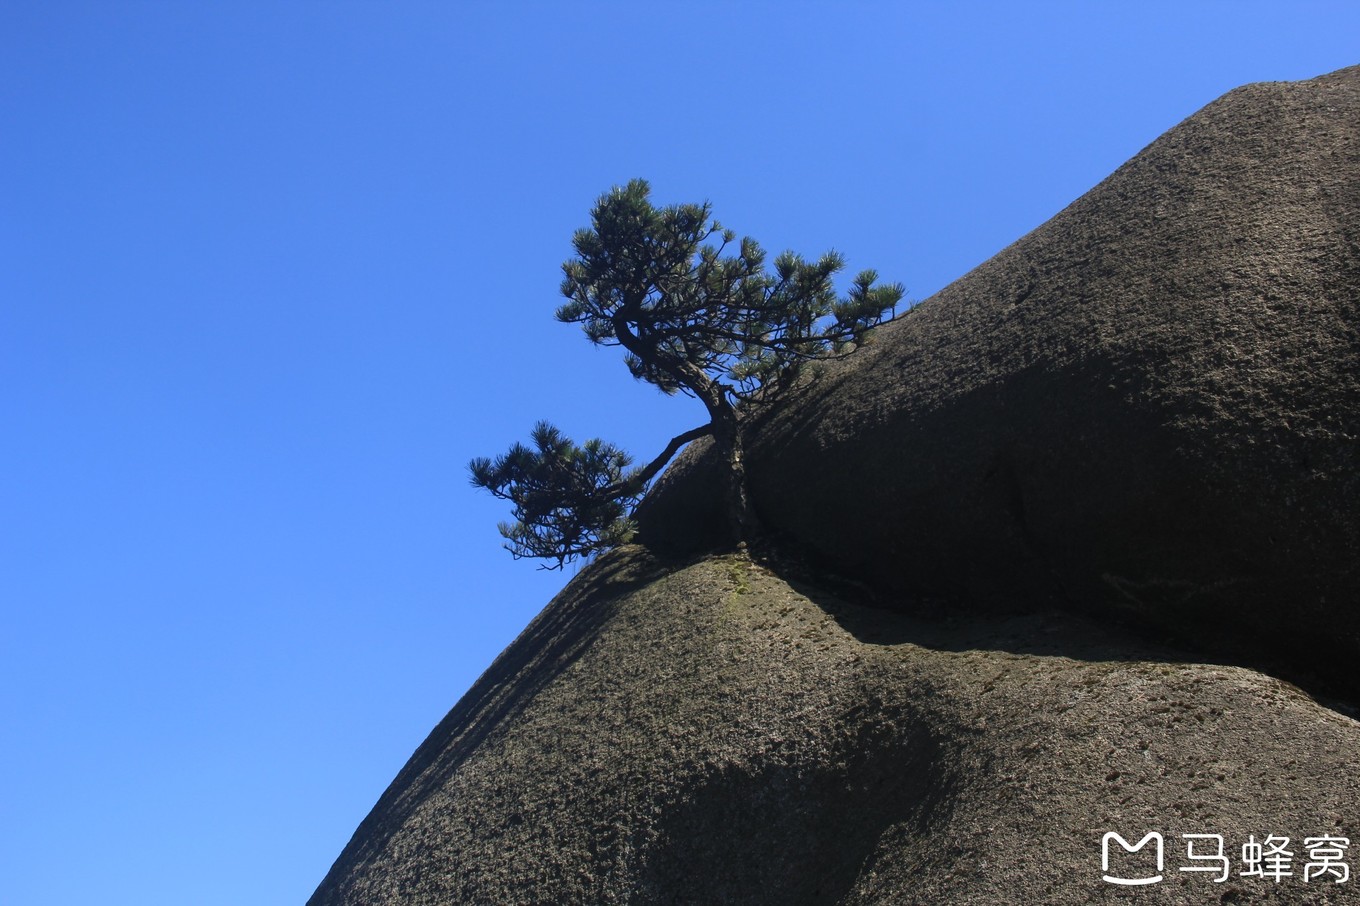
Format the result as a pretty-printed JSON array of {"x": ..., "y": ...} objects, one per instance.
[{"x": 696, "y": 313}]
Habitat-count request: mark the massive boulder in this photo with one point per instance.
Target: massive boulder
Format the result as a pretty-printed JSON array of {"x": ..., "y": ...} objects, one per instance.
[
  {"x": 1149, "y": 406},
  {"x": 716, "y": 735},
  {"x": 1146, "y": 407}
]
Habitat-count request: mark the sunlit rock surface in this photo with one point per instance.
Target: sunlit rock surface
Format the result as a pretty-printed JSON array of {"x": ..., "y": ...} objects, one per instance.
[{"x": 1140, "y": 420}]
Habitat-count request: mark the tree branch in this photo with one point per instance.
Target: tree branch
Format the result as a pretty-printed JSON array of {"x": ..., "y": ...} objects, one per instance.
[{"x": 635, "y": 482}]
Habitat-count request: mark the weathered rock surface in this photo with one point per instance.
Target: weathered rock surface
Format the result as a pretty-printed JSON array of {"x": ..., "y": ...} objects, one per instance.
[
  {"x": 714, "y": 735},
  {"x": 1150, "y": 407}
]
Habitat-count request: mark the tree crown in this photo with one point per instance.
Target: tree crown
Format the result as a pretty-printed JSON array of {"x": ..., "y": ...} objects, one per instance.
[
  {"x": 697, "y": 313},
  {"x": 693, "y": 307}
]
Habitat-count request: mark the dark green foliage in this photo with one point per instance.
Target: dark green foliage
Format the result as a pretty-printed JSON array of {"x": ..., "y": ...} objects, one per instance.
[
  {"x": 693, "y": 306},
  {"x": 569, "y": 500},
  {"x": 697, "y": 313}
]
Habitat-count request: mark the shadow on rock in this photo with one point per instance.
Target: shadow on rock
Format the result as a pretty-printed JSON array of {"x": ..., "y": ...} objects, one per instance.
[{"x": 801, "y": 827}]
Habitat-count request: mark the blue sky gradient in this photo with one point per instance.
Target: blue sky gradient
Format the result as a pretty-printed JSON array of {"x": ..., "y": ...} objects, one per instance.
[{"x": 270, "y": 275}]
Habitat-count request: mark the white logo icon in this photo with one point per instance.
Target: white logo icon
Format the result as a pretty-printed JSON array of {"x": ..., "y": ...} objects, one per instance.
[{"x": 1131, "y": 882}]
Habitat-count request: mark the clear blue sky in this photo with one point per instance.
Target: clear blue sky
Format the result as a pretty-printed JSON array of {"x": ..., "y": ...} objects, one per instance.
[{"x": 270, "y": 274}]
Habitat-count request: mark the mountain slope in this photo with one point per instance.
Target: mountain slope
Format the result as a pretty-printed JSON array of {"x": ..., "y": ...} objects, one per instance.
[
  {"x": 1149, "y": 406},
  {"x": 1146, "y": 408},
  {"x": 712, "y": 734}
]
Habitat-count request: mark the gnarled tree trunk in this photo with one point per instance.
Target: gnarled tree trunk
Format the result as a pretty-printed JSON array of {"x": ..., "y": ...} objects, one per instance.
[{"x": 741, "y": 516}]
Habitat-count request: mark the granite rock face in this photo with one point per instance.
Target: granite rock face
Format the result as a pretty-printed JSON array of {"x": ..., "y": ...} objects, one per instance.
[
  {"x": 1149, "y": 406},
  {"x": 1146, "y": 408},
  {"x": 715, "y": 734}
]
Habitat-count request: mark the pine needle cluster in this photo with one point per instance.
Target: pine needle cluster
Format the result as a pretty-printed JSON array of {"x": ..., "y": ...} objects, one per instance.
[
  {"x": 569, "y": 500},
  {"x": 697, "y": 313}
]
